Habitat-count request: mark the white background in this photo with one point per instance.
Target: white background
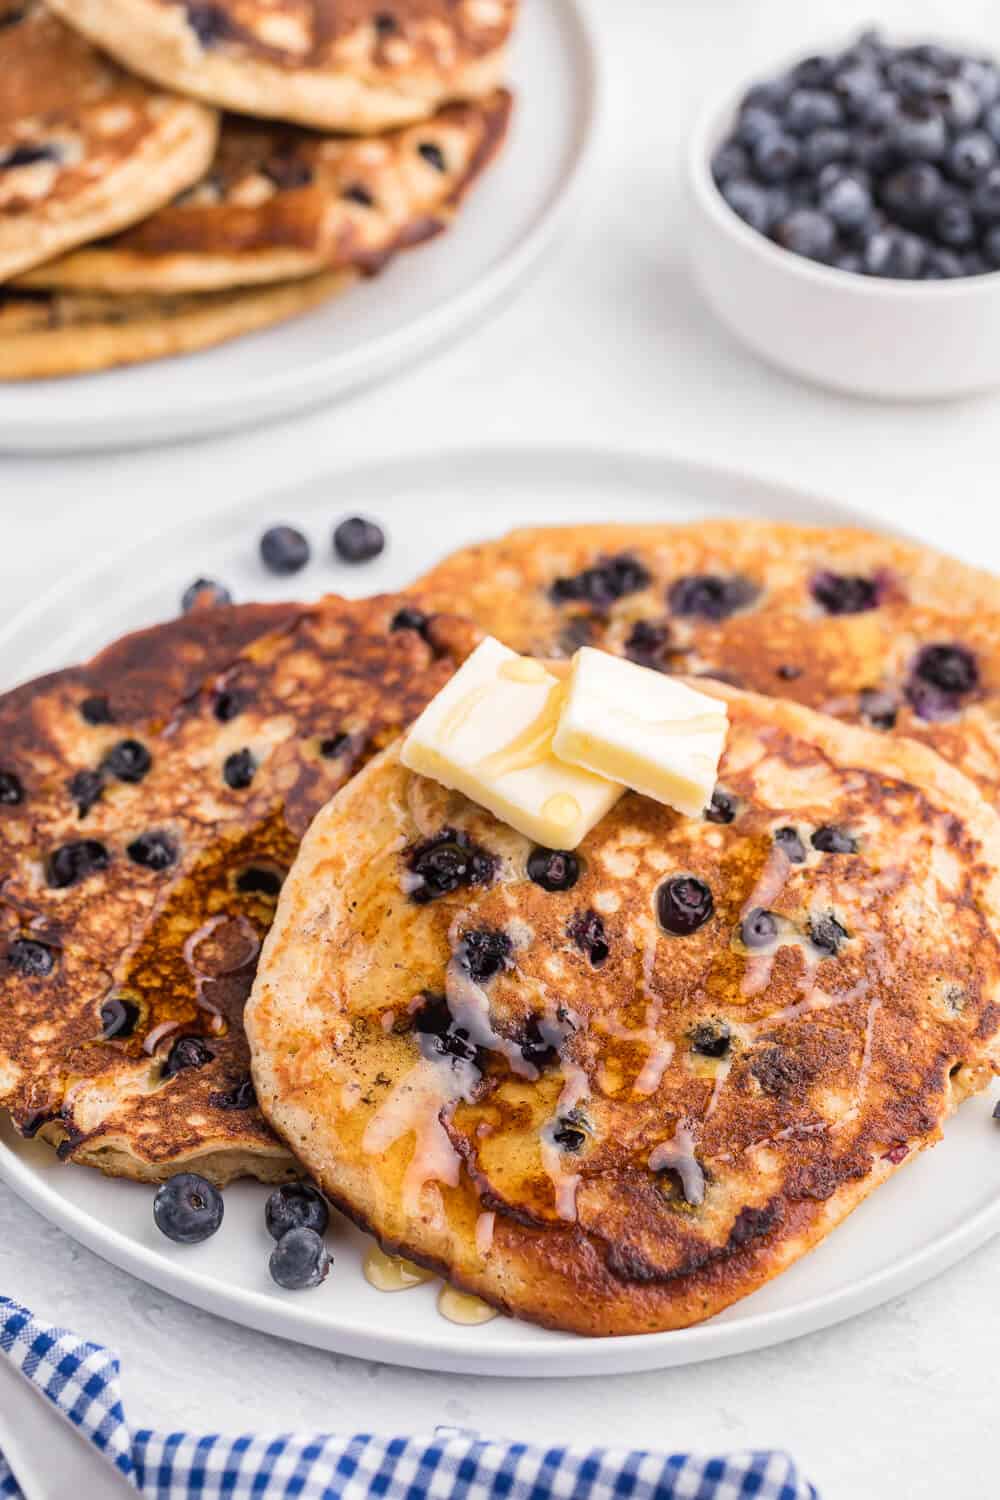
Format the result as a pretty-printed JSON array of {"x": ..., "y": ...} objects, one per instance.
[{"x": 609, "y": 343}]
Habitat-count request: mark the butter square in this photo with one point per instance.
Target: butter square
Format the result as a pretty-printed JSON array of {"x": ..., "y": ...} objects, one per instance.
[
  {"x": 639, "y": 727},
  {"x": 488, "y": 734}
]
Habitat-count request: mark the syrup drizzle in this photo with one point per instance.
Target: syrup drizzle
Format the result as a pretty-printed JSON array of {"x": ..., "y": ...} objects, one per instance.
[
  {"x": 391, "y": 1273},
  {"x": 460, "y": 1307}
]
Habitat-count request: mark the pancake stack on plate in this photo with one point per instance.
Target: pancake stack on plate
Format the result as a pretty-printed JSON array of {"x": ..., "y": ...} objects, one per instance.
[
  {"x": 611, "y": 1090},
  {"x": 137, "y": 221}
]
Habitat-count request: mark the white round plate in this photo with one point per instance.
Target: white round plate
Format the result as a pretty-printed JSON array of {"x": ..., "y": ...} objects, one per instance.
[
  {"x": 937, "y": 1209},
  {"x": 422, "y": 299}
]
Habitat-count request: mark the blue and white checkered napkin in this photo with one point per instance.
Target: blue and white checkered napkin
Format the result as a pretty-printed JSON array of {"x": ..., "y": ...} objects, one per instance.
[{"x": 82, "y": 1380}]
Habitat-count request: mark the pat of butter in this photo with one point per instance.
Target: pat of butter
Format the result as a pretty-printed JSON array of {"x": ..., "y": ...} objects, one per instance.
[
  {"x": 488, "y": 734},
  {"x": 651, "y": 732}
]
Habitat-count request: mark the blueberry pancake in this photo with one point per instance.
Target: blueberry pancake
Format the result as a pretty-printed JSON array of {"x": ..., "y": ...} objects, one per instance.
[
  {"x": 84, "y": 148},
  {"x": 868, "y": 628},
  {"x": 151, "y": 803},
  {"x": 355, "y": 65},
  {"x": 50, "y": 333},
  {"x": 612, "y": 1092},
  {"x": 280, "y": 202}
]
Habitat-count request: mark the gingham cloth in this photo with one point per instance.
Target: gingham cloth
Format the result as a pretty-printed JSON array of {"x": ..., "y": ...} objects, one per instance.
[{"x": 82, "y": 1380}]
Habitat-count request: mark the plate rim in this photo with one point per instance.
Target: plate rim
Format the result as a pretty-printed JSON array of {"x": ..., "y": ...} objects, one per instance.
[
  {"x": 284, "y": 391},
  {"x": 561, "y": 1354}
]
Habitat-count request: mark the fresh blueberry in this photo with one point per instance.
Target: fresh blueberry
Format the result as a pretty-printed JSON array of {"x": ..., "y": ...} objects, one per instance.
[
  {"x": 776, "y": 157},
  {"x": 808, "y": 232},
  {"x": 119, "y": 1019},
  {"x": 32, "y": 959},
  {"x": 974, "y": 264},
  {"x": 96, "y": 710},
  {"x": 986, "y": 197},
  {"x": 827, "y": 934},
  {"x": 848, "y": 204},
  {"x": 357, "y": 540},
  {"x": 11, "y": 789},
  {"x": 204, "y": 593},
  {"x": 789, "y": 841},
  {"x": 880, "y": 111},
  {"x": 960, "y": 104},
  {"x": 954, "y": 225},
  {"x": 155, "y": 851},
  {"x": 829, "y": 839},
  {"x": 750, "y": 201},
  {"x": 875, "y": 150},
  {"x": 711, "y": 1039},
  {"x": 445, "y": 863},
  {"x": 187, "y": 1209},
  {"x": 284, "y": 550},
  {"x": 844, "y": 593},
  {"x": 971, "y": 155},
  {"x": 297, "y": 1205},
  {"x": 485, "y": 953},
  {"x": 919, "y": 132},
  {"x": 587, "y": 931},
  {"x": 440, "y": 1035},
  {"x": 982, "y": 76},
  {"x": 684, "y": 904},
  {"x": 991, "y": 121},
  {"x": 877, "y": 708},
  {"x": 811, "y": 109},
  {"x": 912, "y": 194},
  {"x": 129, "y": 761},
  {"x": 943, "y": 265},
  {"x": 912, "y": 78},
  {"x": 770, "y": 94},
  {"x": 722, "y": 808},
  {"x": 85, "y": 787},
  {"x": 711, "y": 596},
  {"x": 758, "y": 928},
  {"x": 991, "y": 246},
  {"x": 894, "y": 253},
  {"x": 731, "y": 160},
  {"x": 299, "y": 1260},
  {"x": 856, "y": 87},
  {"x": 239, "y": 768},
  {"x": 75, "y": 861},
  {"x": 553, "y": 869},
  {"x": 187, "y": 1052},
  {"x": 755, "y": 124}
]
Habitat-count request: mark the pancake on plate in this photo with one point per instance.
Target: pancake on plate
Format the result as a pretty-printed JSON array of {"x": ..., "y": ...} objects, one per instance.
[
  {"x": 616, "y": 1091},
  {"x": 150, "y": 805},
  {"x": 84, "y": 148},
  {"x": 45, "y": 334},
  {"x": 280, "y": 202},
  {"x": 868, "y": 628},
  {"x": 359, "y": 66}
]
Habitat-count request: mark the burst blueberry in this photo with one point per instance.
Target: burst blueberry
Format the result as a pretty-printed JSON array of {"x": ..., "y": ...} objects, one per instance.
[
  {"x": 553, "y": 869},
  {"x": 844, "y": 593},
  {"x": 119, "y": 1019},
  {"x": 758, "y": 928},
  {"x": 11, "y": 789},
  {"x": 830, "y": 839},
  {"x": 30, "y": 958}
]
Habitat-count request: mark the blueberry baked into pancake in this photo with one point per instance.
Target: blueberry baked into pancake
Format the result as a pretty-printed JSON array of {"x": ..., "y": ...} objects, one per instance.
[
  {"x": 354, "y": 65},
  {"x": 871, "y": 629},
  {"x": 616, "y": 1088},
  {"x": 280, "y": 202},
  {"x": 151, "y": 803},
  {"x": 84, "y": 148}
]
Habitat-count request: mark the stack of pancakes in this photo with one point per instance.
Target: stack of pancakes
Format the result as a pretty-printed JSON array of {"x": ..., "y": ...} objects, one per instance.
[
  {"x": 136, "y": 220},
  {"x": 611, "y": 1090}
]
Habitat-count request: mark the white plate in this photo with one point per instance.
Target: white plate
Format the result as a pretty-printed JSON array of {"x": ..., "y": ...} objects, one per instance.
[
  {"x": 421, "y": 300},
  {"x": 939, "y": 1208}
]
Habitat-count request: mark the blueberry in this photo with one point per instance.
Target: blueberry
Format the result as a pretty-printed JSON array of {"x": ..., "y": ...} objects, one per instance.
[
  {"x": 758, "y": 928},
  {"x": 827, "y": 934},
  {"x": 951, "y": 668},
  {"x": 85, "y": 787},
  {"x": 851, "y": 261},
  {"x": 986, "y": 197},
  {"x": 32, "y": 959},
  {"x": 647, "y": 642},
  {"x": 809, "y": 109},
  {"x": 284, "y": 550},
  {"x": 537, "y": 1047},
  {"x": 711, "y": 1039},
  {"x": 408, "y": 618},
  {"x": 433, "y": 155},
  {"x": 357, "y": 540},
  {"x": 129, "y": 761},
  {"x": 943, "y": 265},
  {"x": 912, "y": 194},
  {"x": 485, "y": 953},
  {"x": 755, "y": 124},
  {"x": 750, "y": 201},
  {"x": 568, "y": 1136},
  {"x": 808, "y": 232},
  {"x": 844, "y": 593},
  {"x": 894, "y": 253},
  {"x": 96, "y": 710},
  {"x": 912, "y": 78},
  {"x": 446, "y": 862},
  {"x": 440, "y": 1035},
  {"x": 770, "y": 94},
  {"x": 684, "y": 904},
  {"x": 919, "y": 132},
  {"x": 155, "y": 851},
  {"x": 848, "y": 204},
  {"x": 788, "y": 672},
  {"x": 960, "y": 104},
  {"x": 879, "y": 709},
  {"x": 875, "y": 150},
  {"x": 731, "y": 160},
  {"x": 991, "y": 246},
  {"x": 242, "y": 1096},
  {"x": 991, "y": 121},
  {"x": 187, "y": 1209},
  {"x": 299, "y": 1260},
  {"x": 227, "y": 706},
  {"x": 204, "y": 593},
  {"x": 297, "y": 1205},
  {"x": 187, "y": 1052},
  {"x": 587, "y": 931},
  {"x": 777, "y": 157},
  {"x": 710, "y": 596},
  {"x": 981, "y": 75},
  {"x": 605, "y": 583},
  {"x": 287, "y": 172},
  {"x": 334, "y": 745},
  {"x": 75, "y": 861},
  {"x": 813, "y": 72},
  {"x": 11, "y": 789},
  {"x": 954, "y": 225},
  {"x": 788, "y": 840},
  {"x": 257, "y": 881},
  {"x": 974, "y": 264},
  {"x": 553, "y": 869},
  {"x": 27, "y": 155},
  {"x": 119, "y": 1019},
  {"x": 830, "y": 839},
  {"x": 239, "y": 768},
  {"x": 210, "y": 23},
  {"x": 722, "y": 808},
  {"x": 880, "y": 110},
  {"x": 971, "y": 155},
  {"x": 856, "y": 87}
]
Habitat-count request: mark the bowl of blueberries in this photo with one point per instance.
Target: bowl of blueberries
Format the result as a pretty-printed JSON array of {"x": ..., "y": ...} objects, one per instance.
[{"x": 846, "y": 217}]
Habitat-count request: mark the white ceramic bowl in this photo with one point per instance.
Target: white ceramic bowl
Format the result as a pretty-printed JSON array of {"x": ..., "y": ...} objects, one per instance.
[{"x": 897, "y": 340}]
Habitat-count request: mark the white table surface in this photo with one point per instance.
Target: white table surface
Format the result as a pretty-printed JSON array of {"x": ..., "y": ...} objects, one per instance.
[{"x": 608, "y": 344}]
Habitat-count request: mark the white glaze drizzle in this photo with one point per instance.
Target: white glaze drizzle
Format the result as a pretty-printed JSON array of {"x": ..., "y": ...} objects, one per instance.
[{"x": 678, "y": 1156}]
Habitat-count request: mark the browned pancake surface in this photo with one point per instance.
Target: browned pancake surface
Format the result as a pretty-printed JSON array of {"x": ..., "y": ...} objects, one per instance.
[{"x": 150, "y": 806}]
